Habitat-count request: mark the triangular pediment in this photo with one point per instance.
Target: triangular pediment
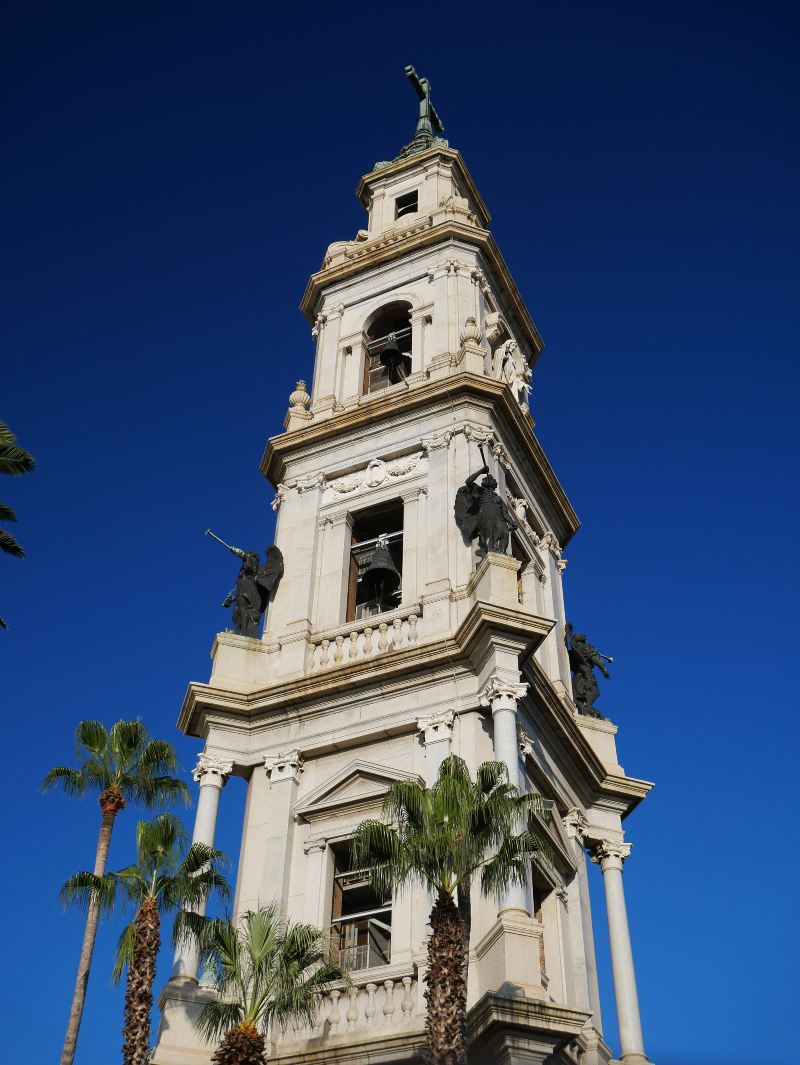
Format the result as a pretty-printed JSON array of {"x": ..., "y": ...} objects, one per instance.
[{"x": 358, "y": 785}]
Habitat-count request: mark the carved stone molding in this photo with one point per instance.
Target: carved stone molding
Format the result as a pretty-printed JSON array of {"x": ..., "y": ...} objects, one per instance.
[
  {"x": 288, "y": 765},
  {"x": 319, "y": 322},
  {"x": 281, "y": 492},
  {"x": 575, "y": 824},
  {"x": 502, "y": 694},
  {"x": 436, "y": 727},
  {"x": 526, "y": 748},
  {"x": 610, "y": 854},
  {"x": 310, "y": 482},
  {"x": 375, "y": 473},
  {"x": 437, "y": 440},
  {"x": 480, "y": 435},
  {"x": 211, "y": 770},
  {"x": 312, "y": 845},
  {"x": 563, "y": 895}
]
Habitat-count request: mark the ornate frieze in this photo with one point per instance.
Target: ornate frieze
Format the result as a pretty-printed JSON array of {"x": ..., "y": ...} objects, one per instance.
[{"x": 375, "y": 473}]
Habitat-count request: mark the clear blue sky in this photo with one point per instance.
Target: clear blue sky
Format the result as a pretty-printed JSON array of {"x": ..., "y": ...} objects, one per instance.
[{"x": 173, "y": 173}]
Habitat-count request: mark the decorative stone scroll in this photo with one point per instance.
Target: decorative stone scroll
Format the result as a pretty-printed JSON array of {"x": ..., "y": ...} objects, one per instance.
[
  {"x": 480, "y": 435},
  {"x": 288, "y": 765},
  {"x": 525, "y": 744},
  {"x": 437, "y": 440}
]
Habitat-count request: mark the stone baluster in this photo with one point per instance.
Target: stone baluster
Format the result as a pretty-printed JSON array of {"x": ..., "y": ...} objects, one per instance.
[
  {"x": 335, "y": 1016},
  {"x": 407, "y": 1005},
  {"x": 370, "y": 1010},
  {"x": 388, "y": 1003},
  {"x": 501, "y": 695},
  {"x": 610, "y": 855},
  {"x": 352, "y": 1010},
  {"x": 211, "y": 774}
]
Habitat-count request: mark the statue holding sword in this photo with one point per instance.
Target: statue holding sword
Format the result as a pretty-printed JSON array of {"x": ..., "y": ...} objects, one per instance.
[
  {"x": 583, "y": 659},
  {"x": 254, "y": 587}
]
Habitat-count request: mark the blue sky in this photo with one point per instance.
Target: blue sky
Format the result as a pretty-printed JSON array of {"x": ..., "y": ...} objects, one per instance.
[{"x": 172, "y": 175}]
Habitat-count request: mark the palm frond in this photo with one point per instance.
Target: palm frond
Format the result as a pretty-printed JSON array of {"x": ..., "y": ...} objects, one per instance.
[
  {"x": 158, "y": 791},
  {"x": 71, "y": 781},
  {"x": 90, "y": 736},
  {"x": 10, "y": 546},
  {"x": 217, "y": 1018},
  {"x": 84, "y": 887},
  {"x": 123, "y": 955},
  {"x": 14, "y": 459},
  {"x": 7, "y": 513}
]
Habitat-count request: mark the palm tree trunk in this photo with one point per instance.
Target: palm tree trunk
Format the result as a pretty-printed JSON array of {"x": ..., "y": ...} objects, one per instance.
[
  {"x": 111, "y": 802},
  {"x": 139, "y": 989},
  {"x": 243, "y": 1045},
  {"x": 446, "y": 996},
  {"x": 465, "y": 909}
]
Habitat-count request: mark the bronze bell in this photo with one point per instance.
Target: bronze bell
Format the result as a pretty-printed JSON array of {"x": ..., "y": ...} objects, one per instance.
[
  {"x": 396, "y": 361},
  {"x": 381, "y": 579}
]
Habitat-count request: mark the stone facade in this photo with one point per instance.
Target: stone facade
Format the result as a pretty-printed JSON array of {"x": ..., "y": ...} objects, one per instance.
[{"x": 342, "y": 696}]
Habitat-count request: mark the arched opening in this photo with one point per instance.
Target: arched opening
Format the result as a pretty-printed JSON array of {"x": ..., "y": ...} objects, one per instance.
[{"x": 387, "y": 345}]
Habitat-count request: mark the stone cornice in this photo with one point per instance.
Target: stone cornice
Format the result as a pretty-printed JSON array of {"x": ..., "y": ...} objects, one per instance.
[
  {"x": 525, "y": 630},
  {"x": 445, "y": 390},
  {"x": 628, "y": 791},
  {"x": 421, "y": 237}
]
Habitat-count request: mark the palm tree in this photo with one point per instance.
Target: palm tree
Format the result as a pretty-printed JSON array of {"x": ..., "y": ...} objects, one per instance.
[
  {"x": 163, "y": 880},
  {"x": 14, "y": 460},
  {"x": 122, "y": 764},
  {"x": 266, "y": 972},
  {"x": 441, "y": 837}
]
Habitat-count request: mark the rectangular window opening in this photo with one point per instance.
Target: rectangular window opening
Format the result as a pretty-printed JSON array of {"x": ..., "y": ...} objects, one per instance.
[
  {"x": 376, "y": 561},
  {"x": 408, "y": 203},
  {"x": 361, "y": 921}
]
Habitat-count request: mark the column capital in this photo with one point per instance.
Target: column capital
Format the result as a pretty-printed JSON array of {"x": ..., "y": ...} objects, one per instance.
[
  {"x": 287, "y": 765},
  {"x": 211, "y": 770},
  {"x": 576, "y": 824},
  {"x": 437, "y": 726},
  {"x": 312, "y": 845},
  {"x": 502, "y": 694},
  {"x": 610, "y": 854}
]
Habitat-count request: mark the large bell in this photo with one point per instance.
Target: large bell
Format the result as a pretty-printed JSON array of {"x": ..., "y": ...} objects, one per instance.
[
  {"x": 396, "y": 361},
  {"x": 381, "y": 579}
]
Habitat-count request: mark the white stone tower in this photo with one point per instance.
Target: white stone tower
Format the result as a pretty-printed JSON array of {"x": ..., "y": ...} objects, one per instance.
[{"x": 355, "y": 684}]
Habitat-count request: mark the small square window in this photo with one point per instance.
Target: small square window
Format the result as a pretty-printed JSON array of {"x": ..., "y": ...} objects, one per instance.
[{"x": 406, "y": 204}]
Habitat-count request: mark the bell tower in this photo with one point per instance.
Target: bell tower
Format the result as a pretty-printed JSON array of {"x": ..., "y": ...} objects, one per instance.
[{"x": 394, "y": 640}]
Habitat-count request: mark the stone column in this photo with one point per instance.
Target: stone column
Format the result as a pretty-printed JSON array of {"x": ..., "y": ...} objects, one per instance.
[
  {"x": 283, "y": 774},
  {"x": 609, "y": 856},
  {"x": 585, "y": 965},
  {"x": 315, "y": 851},
  {"x": 437, "y": 731},
  {"x": 211, "y": 774},
  {"x": 501, "y": 696}
]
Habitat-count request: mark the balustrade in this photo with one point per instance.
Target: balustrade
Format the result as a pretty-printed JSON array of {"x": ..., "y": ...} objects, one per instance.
[
  {"x": 368, "y": 1005},
  {"x": 366, "y": 638}
]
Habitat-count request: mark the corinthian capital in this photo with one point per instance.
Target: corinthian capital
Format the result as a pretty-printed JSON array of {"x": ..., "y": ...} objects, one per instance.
[
  {"x": 288, "y": 765},
  {"x": 610, "y": 854},
  {"x": 211, "y": 770},
  {"x": 502, "y": 694},
  {"x": 436, "y": 726},
  {"x": 575, "y": 824}
]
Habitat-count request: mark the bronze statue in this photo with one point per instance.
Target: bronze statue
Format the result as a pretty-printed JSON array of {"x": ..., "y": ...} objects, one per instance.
[
  {"x": 480, "y": 512},
  {"x": 583, "y": 660},
  {"x": 254, "y": 586}
]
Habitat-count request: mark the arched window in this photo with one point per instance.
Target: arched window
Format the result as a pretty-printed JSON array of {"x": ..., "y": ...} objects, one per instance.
[{"x": 387, "y": 345}]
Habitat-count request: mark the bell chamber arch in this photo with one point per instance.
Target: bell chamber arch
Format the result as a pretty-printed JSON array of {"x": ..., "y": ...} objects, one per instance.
[{"x": 387, "y": 346}]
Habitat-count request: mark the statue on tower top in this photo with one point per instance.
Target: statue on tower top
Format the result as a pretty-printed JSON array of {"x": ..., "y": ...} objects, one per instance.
[{"x": 429, "y": 124}]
